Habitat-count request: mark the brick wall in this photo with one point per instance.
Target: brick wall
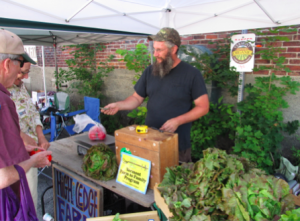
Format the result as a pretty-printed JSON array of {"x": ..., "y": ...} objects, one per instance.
[{"x": 290, "y": 50}]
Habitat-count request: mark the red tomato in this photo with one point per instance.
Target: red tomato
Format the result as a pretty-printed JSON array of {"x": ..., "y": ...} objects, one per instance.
[
  {"x": 95, "y": 133},
  {"x": 37, "y": 151}
]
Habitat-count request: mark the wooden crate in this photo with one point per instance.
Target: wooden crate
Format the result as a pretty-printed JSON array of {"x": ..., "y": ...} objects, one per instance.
[
  {"x": 160, "y": 202},
  {"x": 161, "y": 148},
  {"x": 142, "y": 216}
]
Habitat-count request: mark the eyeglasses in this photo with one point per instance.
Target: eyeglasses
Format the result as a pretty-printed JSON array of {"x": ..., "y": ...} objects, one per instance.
[
  {"x": 158, "y": 50},
  {"x": 21, "y": 62},
  {"x": 27, "y": 72}
]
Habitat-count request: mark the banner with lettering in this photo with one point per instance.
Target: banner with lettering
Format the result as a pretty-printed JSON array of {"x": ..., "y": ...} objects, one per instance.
[
  {"x": 242, "y": 52},
  {"x": 134, "y": 172},
  {"x": 75, "y": 198}
]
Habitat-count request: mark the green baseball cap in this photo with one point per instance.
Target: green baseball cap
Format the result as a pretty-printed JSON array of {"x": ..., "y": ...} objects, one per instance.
[{"x": 167, "y": 34}]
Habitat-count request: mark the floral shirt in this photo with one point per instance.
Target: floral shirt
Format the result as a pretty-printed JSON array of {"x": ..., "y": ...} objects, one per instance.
[{"x": 29, "y": 117}]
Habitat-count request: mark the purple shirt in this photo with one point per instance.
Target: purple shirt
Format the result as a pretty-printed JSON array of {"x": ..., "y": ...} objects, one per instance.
[{"x": 12, "y": 149}]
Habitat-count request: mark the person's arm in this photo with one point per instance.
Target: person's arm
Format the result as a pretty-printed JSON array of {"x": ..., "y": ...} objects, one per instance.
[
  {"x": 27, "y": 139},
  {"x": 129, "y": 103},
  {"x": 201, "y": 108},
  {"x": 9, "y": 175},
  {"x": 42, "y": 141}
]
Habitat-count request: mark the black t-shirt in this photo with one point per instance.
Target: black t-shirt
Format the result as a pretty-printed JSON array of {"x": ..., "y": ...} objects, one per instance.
[{"x": 171, "y": 96}]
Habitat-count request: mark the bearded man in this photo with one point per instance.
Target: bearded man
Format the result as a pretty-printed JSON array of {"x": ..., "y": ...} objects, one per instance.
[{"x": 172, "y": 86}]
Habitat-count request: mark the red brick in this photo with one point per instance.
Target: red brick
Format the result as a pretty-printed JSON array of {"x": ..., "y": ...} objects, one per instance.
[
  {"x": 184, "y": 42},
  {"x": 261, "y": 61},
  {"x": 293, "y": 67},
  {"x": 257, "y": 56},
  {"x": 199, "y": 37},
  {"x": 288, "y": 55},
  {"x": 194, "y": 42},
  {"x": 187, "y": 38},
  {"x": 211, "y": 36},
  {"x": 287, "y": 33},
  {"x": 279, "y": 72},
  {"x": 204, "y": 42},
  {"x": 296, "y": 37},
  {"x": 261, "y": 72},
  {"x": 293, "y": 49},
  {"x": 293, "y": 43},
  {"x": 274, "y": 44},
  {"x": 294, "y": 61},
  {"x": 293, "y": 73}
]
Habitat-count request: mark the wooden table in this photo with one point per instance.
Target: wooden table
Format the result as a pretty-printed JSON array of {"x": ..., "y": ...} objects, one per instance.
[{"x": 64, "y": 153}]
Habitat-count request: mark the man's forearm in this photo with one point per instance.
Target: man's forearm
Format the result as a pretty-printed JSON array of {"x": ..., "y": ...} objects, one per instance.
[
  {"x": 130, "y": 103},
  {"x": 39, "y": 132},
  {"x": 9, "y": 175}
]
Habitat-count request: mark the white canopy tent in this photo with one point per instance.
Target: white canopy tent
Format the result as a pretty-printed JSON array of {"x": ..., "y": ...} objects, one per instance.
[
  {"x": 145, "y": 16},
  {"x": 56, "y": 38}
]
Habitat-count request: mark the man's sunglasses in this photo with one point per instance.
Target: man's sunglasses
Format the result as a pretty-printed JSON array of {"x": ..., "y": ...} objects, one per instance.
[{"x": 21, "y": 62}]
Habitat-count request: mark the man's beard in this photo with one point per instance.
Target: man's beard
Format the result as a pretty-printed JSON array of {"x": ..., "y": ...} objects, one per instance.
[{"x": 163, "y": 68}]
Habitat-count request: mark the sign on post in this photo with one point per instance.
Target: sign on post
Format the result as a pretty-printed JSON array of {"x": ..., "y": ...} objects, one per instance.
[
  {"x": 242, "y": 52},
  {"x": 75, "y": 198},
  {"x": 134, "y": 172}
]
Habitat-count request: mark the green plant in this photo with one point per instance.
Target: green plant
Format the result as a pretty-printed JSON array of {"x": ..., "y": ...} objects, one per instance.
[
  {"x": 223, "y": 187},
  {"x": 111, "y": 123},
  {"x": 215, "y": 66},
  {"x": 206, "y": 130},
  {"x": 137, "y": 60},
  {"x": 85, "y": 74},
  {"x": 260, "y": 124},
  {"x": 139, "y": 115}
]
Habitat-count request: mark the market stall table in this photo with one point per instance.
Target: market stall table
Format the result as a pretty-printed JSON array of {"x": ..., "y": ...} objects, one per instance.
[{"x": 65, "y": 156}]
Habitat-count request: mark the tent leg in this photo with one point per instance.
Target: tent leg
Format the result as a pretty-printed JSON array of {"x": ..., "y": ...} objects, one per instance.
[
  {"x": 56, "y": 67},
  {"x": 44, "y": 76},
  {"x": 151, "y": 50}
]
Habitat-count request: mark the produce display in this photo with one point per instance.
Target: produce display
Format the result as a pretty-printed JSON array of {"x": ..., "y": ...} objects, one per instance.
[
  {"x": 100, "y": 163},
  {"x": 97, "y": 132},
  {"x": 224, "y": 187},
  {"x": 37, "y": 151}
]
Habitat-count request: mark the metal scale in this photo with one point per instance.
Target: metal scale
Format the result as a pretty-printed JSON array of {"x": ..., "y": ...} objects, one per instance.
[{"x": 84, "y": 143}]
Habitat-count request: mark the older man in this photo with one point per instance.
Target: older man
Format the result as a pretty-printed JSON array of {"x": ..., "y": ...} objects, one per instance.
[
  {"x": 172, "y": 87},
  {"x": 30, "y": 124},
  {"x": 13, "y": 152}
]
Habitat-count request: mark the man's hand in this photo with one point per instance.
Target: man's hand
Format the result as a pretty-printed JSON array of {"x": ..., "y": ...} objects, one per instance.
[
  {"x": 110, "y": 109},
  {"x": 30, "y": 148},
  {"x": 40, "y": 159},
  {"x": 28, "y": 140},
  {"x": 170, "y": 125},
  {"x": 43, "y": 143}
]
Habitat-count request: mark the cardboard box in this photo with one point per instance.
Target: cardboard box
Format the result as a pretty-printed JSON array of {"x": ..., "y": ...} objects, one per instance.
[
  {"x": 160, "y": 202},
  {"x": 161, "y": 148},
  {"x": 142, "y": 216}
]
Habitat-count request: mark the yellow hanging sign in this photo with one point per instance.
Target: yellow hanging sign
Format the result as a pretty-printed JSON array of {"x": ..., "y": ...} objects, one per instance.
[{"x": 134, "y": 172}]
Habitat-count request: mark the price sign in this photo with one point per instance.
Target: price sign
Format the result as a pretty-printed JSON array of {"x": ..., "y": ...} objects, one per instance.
[
  {"x": 134, "y": 172},
  {"x": 242, "y": 52}
]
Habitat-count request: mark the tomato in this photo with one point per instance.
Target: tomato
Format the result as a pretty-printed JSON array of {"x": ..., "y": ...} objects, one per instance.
[
  {"x": 96, "y": 133},
  {"x": 49, "y": 157}
]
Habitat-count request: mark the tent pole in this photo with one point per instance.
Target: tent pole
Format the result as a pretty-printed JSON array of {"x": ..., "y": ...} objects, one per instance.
[
  {"x": 151, "y": 50},
  {"x": 241, "y": 81},
  {"x": 56, "y": 67},
  {"x": 44, "y": 76}
]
